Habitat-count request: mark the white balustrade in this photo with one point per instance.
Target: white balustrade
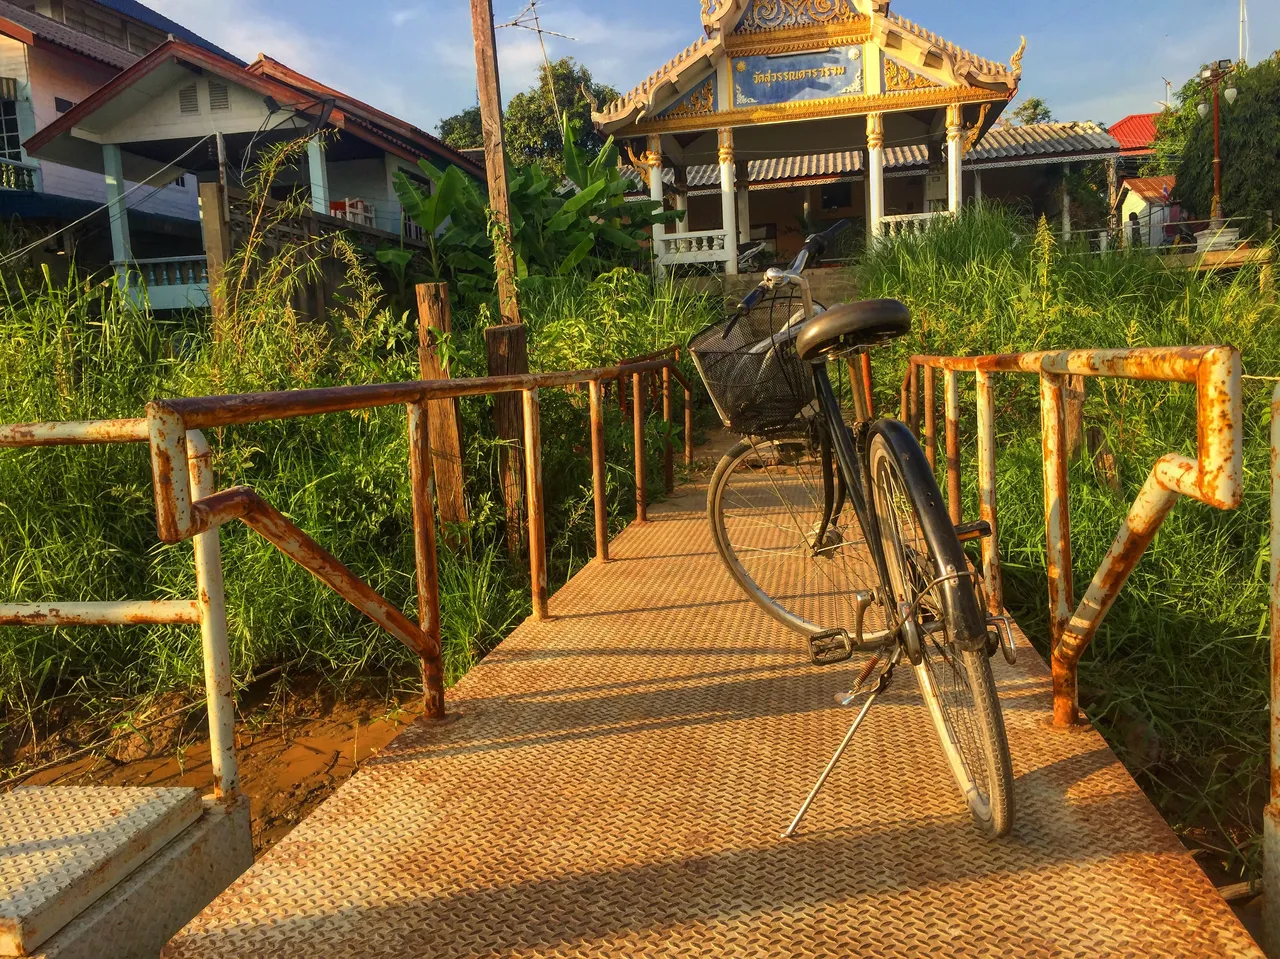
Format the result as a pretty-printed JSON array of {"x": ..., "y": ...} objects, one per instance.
[
  {"x": 911, "y": 223},
  {"x": 171, "y": 282},
  {"x": 703, "y": 246}
]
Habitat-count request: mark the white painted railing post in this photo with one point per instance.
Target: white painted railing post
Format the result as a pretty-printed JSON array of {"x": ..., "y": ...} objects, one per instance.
[{"x": 213, "y": 631}]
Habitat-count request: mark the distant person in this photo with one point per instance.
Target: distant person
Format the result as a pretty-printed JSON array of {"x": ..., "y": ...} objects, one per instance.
[{"x": 1135, "y": 229}]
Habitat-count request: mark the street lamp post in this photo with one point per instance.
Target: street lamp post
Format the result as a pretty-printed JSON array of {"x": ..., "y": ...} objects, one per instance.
[{"x": 1210, "y": 83}]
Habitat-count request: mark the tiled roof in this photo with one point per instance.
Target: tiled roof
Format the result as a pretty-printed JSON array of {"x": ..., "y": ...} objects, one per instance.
[
  {"x": 144, "y": 14},
  {"x": 1153, "y": 189},
  {"x": 1136, "y": 133},
  {"x": 1041, "y": 139},
  {"x": 64, "y": 36}
]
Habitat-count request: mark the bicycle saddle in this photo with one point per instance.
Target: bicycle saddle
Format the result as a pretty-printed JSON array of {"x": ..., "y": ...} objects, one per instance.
[{"x": 847, "y": 325}]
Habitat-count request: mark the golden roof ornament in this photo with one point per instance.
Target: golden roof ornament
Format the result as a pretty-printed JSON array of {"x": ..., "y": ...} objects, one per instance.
[{"x": 1015, "y": 61}]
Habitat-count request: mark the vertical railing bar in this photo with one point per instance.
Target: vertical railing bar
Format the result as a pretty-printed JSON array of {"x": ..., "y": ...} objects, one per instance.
[
  {"x": 668, "y": 453},
  {"x": 913, "y": 399},
  {"x": 425, "y": 560},
  {"x": 211, "y": 598},
  {"x": 533, "y": 493},
  {"x": 903, "y": 408},
  {"x": 951, "y": 412},
  {"x": 637, "y": 416},
  {"x": 597, "y": 471},
  {"x": 987, "y": 507},
  {"x": 688, "y": 429},
  {"x": 865, "y": 360},
  {"x": 1057, "y": 514},
  {"x": 930, "y": 419},
  {"x": 1271, "y": 814}
]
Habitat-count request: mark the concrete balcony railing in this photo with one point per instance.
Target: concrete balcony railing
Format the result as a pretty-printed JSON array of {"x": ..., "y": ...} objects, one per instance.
[
  {"x": 906, "y": 223},
  {"x": 703, "y": 246},
  {"x": 171, "y": 282},
  {"x": 19, "y": 176}
]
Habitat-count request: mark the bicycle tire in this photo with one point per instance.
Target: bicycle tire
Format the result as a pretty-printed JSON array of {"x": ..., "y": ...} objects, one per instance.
[
  {"x": 773, "y": 560},
  {"x": 954, "y": 672}
]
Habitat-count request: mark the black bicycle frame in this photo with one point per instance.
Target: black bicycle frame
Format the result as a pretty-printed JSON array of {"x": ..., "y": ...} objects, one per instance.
[{"x": 850, "y": 459}]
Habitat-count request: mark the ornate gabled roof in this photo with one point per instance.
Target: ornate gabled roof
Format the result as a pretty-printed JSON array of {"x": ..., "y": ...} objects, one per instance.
[
  {"x": 738, "y": 27},
  {"x": 696, "y": 56}
]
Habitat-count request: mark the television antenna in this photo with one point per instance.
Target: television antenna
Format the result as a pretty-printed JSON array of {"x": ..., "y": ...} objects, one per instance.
[
  {"x": 1167, "y": 102},
  {"x": 1244, "y": 31},
  {"x": 527, "y": 19}
]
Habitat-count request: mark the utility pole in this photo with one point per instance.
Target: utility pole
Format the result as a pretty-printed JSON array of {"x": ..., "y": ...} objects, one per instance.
[
  {"x": 1244, "y": 32},
  {"x": 495, "y": 156},
  {"x": 506, "y": 346}
]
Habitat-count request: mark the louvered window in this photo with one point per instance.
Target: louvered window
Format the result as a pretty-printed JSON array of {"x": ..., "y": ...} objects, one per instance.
[
  {"x": 188, "y": 102},
  {"x": 219, "y": 96}
]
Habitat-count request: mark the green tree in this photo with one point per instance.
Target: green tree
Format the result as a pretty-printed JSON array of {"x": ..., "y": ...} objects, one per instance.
[
  {"x": 1032, "y": 110},
  {"x": 533, "y": 125},
  {"x": 1250, "y": 146},
  {"x": 462, "y": 131}
]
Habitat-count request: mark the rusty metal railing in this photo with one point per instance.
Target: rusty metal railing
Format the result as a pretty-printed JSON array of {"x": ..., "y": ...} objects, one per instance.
[
  {"x": 1213, "y": 477},
  {"x": 188, "y": 506}
]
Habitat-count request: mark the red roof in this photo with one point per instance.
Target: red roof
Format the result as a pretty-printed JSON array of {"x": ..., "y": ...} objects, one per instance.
[
  {"x": 1136, "y": 133},
  {"x": 290, "y": 89},
  {"x": 1153, "y": 189}
]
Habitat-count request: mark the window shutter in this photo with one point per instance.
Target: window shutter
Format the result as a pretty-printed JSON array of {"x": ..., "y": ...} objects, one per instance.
[
  {"x": 187, "y": 100},
  {"x": 8, "y": 88}
]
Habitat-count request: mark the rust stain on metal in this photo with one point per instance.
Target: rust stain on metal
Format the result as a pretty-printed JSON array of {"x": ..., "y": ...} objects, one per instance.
[{"x": 74, "y": 433}]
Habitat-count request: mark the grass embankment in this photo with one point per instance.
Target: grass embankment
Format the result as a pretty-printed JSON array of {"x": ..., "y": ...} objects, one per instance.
[
  {"x": 77, "y": 523},
  {"x": 1177, "y": 676}
]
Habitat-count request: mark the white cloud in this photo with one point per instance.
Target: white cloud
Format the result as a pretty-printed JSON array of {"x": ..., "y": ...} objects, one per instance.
[{"x": 400, "y": 17}]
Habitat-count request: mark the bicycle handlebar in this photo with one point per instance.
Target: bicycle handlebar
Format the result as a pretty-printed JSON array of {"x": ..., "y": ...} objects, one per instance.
[{"x": 815, "y": 246}]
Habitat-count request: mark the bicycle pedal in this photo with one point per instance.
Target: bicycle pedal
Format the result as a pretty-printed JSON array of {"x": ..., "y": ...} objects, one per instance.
[
  {"x": 978, "y": 529},
  {"x": 829, "y": 647}
]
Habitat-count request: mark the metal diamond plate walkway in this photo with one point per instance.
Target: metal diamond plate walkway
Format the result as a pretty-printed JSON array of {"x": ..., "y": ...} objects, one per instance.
[{"x": 614, "y": 782}]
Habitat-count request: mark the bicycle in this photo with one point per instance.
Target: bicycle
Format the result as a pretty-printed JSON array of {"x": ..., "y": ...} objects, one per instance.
[{"x": 839, "y": 531}]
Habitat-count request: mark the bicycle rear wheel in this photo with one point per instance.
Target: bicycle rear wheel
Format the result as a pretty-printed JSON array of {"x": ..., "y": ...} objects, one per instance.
[
  {"x": 954, "y": 672},
  {"x": 786, "y": 533}
]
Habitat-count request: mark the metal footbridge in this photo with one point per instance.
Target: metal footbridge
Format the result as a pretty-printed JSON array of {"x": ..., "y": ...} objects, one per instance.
[{"x": 612, "y": 782}]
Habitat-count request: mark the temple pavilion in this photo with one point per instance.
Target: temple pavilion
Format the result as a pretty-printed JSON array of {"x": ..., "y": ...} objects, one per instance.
[{"x": 794, "y": 84}]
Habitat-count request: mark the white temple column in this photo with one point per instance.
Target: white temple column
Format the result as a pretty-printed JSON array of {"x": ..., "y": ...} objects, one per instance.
[
  {"x": 319, "y": 174},
  {"x": 121, "y": 245},
  {"x": 875, "y": 173},
  {"x": 744, "y": 215},
  {"x": 1066, "y": 205},
  {"x": 955, "y": 152},
  {"x": 977, "y": 185},
  {"x": 728, "y": 213},
  {"x": 653, "y": 161},
  {"x": 682, "y": 204}
]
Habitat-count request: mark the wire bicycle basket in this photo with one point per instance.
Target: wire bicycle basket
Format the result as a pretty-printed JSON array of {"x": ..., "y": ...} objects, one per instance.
[{"x": 749, "y": 364}]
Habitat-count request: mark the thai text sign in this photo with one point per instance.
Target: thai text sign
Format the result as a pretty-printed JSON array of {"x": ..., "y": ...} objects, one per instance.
[{"x": 803, "y": 76}]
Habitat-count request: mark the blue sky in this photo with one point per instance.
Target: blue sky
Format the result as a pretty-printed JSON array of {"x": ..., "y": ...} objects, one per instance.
[{"x": 1089, "y": 59}]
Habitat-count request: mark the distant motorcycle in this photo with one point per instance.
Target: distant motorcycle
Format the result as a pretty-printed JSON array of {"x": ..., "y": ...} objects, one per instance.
[{"x": 752, "y": 256}]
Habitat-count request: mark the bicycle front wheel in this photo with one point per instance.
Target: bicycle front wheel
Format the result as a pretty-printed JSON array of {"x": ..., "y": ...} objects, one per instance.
[
  {"x": 922, "y": 555},
  {"x": 787, "y": 534}
]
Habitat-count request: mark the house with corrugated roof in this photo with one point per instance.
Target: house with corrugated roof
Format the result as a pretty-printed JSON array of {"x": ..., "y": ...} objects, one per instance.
[{"x": 53, "y": 54}]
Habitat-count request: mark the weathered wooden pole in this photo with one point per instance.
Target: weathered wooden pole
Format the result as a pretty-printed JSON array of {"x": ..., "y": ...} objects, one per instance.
[
  {"x": 443, "y": 416},
  {"x": 597, "y": 472},
  {"x": 424, "y": 549},
  {"x": 216, "y": 226},
  {"x": 495, "y": 158},
  {"x": 637, "y": 419},
  {"x": 506, "y": 347},
  {"x": 668, "y": 456}
]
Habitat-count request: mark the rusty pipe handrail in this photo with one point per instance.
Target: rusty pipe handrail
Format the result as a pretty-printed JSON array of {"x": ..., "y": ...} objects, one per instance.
[
  {"x": 183, "y": 513},
  {"x": 1214, "y": 477}
]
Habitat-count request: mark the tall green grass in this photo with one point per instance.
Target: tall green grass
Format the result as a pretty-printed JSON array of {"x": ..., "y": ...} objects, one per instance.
[
  {"x": 77, "y": 523},
  {"x": 1177, "y": 676}
]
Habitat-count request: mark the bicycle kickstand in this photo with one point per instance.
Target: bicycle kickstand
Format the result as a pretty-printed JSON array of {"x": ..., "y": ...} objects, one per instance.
[{"x": 881, "y": 685}]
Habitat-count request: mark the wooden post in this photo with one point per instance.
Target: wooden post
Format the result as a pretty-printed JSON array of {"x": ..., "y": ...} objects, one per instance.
[
  {"x": 688, "y": 429},
  {"x": 444, "y": 416},
  {"x": 424, "y": 549},
  {"x": 597, "y": 472},
  {"x": 1075, "y": 414},
  {"x": 637, "y": 417},
  {"x": 668, "y": 461},
  {"x": 507, "y": 352},
  {"x": 217, "y": 246},
  {"x": 537, "y": 525},
  {"x": 495, "y": 156}
]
